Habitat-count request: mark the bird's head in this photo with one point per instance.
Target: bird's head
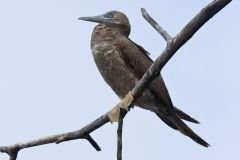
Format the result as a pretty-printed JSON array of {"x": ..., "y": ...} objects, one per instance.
[{"x": 114, "y": 19}]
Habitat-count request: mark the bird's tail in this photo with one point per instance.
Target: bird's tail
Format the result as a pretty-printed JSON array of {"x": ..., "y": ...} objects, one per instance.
[
  {"x": 172, "y": 120},
  {"x": 184, "y": 116}
]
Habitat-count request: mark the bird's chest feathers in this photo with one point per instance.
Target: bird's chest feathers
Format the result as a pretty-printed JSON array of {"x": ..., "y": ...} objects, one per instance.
[
  {"x": 105, "y": 56},
  {"x": 112, "y": 67}
]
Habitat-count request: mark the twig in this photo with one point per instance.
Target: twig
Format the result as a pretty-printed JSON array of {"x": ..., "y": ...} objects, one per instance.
[
  {"x": 92, "y": 142},
  {"x": 173, "y": 45},
  {"x": 12, "y": 151},
  {"x": 155, "y": 25},
  {"x": 119, "y": 138},
  {"x": 82, "y": 133},
  {"x": 123, "y": 112}
]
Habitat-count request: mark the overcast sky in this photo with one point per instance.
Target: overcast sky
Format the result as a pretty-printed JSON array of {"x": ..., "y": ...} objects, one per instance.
[{"x": 49, "y": 83}]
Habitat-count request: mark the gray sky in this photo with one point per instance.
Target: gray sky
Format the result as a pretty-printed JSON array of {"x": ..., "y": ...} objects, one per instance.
[{"x": 49, "y": 83}]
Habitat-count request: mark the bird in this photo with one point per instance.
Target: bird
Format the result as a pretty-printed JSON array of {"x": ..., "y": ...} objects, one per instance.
[{"x": 122, "y": 63}]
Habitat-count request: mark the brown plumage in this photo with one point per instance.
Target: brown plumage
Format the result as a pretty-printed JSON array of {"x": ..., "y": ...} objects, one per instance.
[{"x": 122, "y": 63}]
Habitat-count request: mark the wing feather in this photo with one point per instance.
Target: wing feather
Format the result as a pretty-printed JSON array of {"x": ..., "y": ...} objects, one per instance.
[
  {"x": 136, "y": 57},
  {"x": 138, "y": 61}
]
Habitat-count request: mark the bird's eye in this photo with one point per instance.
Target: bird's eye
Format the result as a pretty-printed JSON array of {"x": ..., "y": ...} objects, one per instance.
[{"x": 108, "y": 15}]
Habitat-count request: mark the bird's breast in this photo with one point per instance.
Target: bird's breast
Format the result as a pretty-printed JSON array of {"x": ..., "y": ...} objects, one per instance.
[
  {"x": 118, "y": 75},
  {"x": 112, "y": 68}
]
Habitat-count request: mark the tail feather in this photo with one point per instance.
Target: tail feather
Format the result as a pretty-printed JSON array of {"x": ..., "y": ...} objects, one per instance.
[
  {"x": 167, "y": 121},
  {"x": 172, "y": 120},
  {"x": 185, "y": 116}
]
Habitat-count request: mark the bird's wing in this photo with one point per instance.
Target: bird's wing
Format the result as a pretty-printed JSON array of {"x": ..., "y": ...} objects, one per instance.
[
  {"x": 138, "y": 61},
  {"x": 136, "y": 57}
]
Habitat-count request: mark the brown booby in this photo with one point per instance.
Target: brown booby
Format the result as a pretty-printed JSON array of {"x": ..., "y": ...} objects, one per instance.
[{"x": 122, "y": 63}]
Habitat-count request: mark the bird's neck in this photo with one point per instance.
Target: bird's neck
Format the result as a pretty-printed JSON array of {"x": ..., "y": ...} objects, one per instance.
[{"x": 105, "y": 32}]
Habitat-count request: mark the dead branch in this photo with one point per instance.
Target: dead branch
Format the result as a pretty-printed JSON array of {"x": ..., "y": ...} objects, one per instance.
[
  {"x": 173, "y": 44},
  {"x": 119, "y": 133},
  {"x": 83, "y": 133},
  {"x": 155, "y": 25}
]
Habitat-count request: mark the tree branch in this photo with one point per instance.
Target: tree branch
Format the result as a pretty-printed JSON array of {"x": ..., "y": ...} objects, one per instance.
[
  {"x": 173, "y": 45},
  {"x": 119, "y": 135},
  {"x": 155, "y": 25},
  {"x": 123, "y": 112},
  {"x": 82, "y": 133}
]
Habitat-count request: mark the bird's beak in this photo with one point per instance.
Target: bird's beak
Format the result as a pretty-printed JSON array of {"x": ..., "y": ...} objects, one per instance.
[{"x": 98, "y": 19}]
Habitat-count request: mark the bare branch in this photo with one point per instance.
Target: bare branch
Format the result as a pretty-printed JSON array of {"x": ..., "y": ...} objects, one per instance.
[
  {"x": 12, "y": 151},
  {"x": 13, "y": 156},
  {"x": 155, "y": 25},
  {"x": 123, "y": 112},
  {"x": 82, "y": 133},
  {"x": 92, "y": 142},
  {"x": 173, "y": 45},
  {"x": 187, "y": 32}
]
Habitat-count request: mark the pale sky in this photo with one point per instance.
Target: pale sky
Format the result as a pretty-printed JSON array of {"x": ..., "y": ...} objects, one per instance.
[{"x": 49, "y": 83}]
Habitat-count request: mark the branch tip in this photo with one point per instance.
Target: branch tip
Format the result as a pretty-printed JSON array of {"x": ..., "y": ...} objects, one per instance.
[
  {"x": 92, "y": 142},
  {"x": 155, "y": 25}
]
